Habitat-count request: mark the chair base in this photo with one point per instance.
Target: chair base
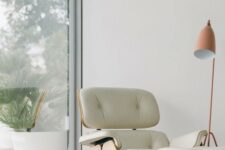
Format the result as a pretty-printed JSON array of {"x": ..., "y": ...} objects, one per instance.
[{"x": 109, "y": 145}]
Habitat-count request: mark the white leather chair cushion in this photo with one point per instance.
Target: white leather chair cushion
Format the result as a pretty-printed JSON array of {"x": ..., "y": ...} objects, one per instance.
[
  {"x": 209, "y": 148},
  {"x": 129, "y": 139},
  {"x": 195, "y": 148},
  {"x": 189, "y": 140},
  {"x": 118, "y": 108}
]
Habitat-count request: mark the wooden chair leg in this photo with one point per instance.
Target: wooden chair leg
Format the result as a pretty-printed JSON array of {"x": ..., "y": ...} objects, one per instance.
[
  {"x": 110, "y": 145},
  {"x": 97, "y": 147}
]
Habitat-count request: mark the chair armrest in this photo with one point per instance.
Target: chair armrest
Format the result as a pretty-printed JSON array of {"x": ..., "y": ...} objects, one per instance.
[
  {"x": 99, "y": 137},
  {"x": 189, "y": 140}
]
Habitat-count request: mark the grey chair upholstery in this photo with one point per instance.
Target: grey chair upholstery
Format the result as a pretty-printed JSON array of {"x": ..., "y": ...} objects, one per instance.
[{"x": 123, "y": 115}]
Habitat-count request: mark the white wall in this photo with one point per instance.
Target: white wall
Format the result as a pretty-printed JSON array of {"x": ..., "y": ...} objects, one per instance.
[{"x": 149, "y": 44}]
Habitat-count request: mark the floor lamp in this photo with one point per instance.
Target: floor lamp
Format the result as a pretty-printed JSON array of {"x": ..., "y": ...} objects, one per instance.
[{"x": 205, "y": 49}]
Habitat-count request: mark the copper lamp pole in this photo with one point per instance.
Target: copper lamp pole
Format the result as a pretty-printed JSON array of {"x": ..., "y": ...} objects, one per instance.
[
  {"x": 206, "y": 48},
  {"x": 210, "y": 133}
]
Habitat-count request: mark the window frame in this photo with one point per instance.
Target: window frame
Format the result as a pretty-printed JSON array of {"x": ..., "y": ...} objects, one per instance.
[{"x": 75, "y": 71}]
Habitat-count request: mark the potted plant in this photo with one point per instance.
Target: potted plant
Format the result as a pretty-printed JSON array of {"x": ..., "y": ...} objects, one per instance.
[{"x": 19, "y": 110}]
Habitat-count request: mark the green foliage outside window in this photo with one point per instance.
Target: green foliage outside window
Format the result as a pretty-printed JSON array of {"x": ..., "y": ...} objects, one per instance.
[
  {"x": 41, "y": 24},
  {"x": 20, "y": 107}
]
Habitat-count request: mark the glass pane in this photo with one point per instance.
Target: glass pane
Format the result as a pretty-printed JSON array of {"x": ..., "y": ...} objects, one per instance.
[{"x": 33, "y": 66}]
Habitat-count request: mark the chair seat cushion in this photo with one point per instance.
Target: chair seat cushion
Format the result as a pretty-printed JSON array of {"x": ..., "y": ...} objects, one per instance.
[{"x": 129, "y": 138}]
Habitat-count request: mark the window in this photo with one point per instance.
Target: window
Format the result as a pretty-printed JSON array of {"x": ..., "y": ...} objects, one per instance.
[{"x": 34, "y": 53}]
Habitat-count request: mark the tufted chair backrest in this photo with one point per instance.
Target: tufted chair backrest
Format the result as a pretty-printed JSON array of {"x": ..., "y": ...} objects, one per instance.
[{"x": 118, "y": 108}]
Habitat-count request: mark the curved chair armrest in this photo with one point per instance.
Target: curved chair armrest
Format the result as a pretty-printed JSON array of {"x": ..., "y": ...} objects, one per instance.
[
  {"x": 189, "y": 140},
  {"x": 99, "y": 137}
]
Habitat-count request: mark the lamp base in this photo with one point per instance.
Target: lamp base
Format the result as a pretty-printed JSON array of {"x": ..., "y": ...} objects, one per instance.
[{"x": 207, "y": 139}]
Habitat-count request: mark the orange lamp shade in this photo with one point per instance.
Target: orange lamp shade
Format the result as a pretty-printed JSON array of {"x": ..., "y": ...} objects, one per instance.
[{"x": 206, "y": 47}]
